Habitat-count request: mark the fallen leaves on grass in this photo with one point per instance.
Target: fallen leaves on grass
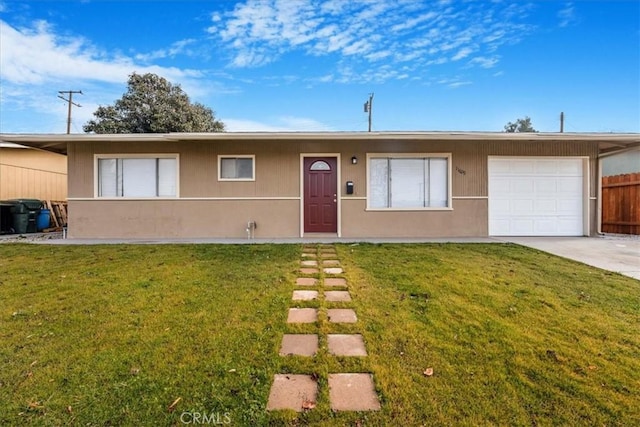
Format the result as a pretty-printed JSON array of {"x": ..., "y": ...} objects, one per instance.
[
  {"x": 35, "y": 406},
  {"x": 428, "y": 372},
  {"x": 308, "y": 404},
  {"x": 172, "y": 407}
]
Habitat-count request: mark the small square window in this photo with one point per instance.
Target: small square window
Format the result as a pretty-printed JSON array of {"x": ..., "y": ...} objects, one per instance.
[{"x": 236, "y": 168}]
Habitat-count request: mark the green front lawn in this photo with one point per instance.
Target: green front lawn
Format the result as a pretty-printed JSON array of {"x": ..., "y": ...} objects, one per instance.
[{"x": 142, "y": 335}]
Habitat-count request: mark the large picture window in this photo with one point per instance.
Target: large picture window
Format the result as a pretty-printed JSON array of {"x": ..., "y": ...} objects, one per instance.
[
  {"x": 236, "y": 168},
  {"x": 408, "y": 182},
  {"x": 137, "y": 176}
]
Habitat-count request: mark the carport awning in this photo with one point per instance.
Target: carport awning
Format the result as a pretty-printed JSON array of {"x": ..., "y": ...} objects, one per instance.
[{"x": 57, "y": 143}]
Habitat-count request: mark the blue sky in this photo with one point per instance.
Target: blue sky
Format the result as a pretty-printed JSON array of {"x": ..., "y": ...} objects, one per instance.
[{"x": 294, "y": 65}]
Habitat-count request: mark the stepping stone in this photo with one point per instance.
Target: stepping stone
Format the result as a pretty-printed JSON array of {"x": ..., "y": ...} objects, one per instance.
[
  {"x": 346, "y": 345},
  {"x": 302, "y": 315},
  {"x": 337, "y": 296},
  {"x": 342, "y": 315},
  {"x": 309, "y": 263},
  {"x": 309, "y": 255},
  {"x": 335, "y": 281},
  {"x": 304, "y": 295},
  {"x": 329, "y": 262},
  {"x": 333, "y": 270},
  {"x": 306, "y": 281},
  {"x": 307, "y": 270},
  {"x": 352, "y": 392},
  {"x": 290, "y": 391},
  {"x": 299, "y": 345}
]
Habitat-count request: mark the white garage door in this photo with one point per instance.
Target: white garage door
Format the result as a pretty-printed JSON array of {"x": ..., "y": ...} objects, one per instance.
[{"x": 536, "y": 196}]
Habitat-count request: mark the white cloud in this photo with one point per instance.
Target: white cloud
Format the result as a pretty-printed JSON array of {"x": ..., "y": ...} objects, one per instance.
[
  {"x": 279, "y": 124},
  {"x": 36, "y": 62},
  {"x": 180, "y": 47},
  {"x": 462, "y": 53},
  {"x": 37, "y": 55},
  {"x": 567, "y": 15},
  {"x": 484, "y": 62},
  {"x": 257, "y": 32}
]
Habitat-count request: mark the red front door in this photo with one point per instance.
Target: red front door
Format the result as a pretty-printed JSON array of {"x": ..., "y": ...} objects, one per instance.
[{"x": 320, "y": 195}]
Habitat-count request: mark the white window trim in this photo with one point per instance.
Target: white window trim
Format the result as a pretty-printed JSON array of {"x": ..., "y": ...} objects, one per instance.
[
  {"x": 236, "y": 156},
  {"x": 447, "y": 156},
  {"x": 96, "y": 178}
]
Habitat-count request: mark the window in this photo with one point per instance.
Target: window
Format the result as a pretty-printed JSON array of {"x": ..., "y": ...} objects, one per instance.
[
  {"x": 137, "y": 176},
  {"x": 320, "y": 165},
  {"x": 408, "y": 182},
  {"x": 236, "y": 168}
]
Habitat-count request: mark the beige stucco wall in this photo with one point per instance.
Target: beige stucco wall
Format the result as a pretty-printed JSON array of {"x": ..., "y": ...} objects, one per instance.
[
  {"x": 209, "y": 208},
  {"x": 182, "y": 218},
  {"x": 27, "y": 173}
]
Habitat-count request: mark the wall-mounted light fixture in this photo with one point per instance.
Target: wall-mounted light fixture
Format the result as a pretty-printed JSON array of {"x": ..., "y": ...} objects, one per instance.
[{"x": 354, "y": 160}]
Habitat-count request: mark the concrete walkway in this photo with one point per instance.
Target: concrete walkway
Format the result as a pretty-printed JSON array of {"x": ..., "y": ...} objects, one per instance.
[
  {"x": 614, "y": 253},
  {"x": 351, "y": 391}
]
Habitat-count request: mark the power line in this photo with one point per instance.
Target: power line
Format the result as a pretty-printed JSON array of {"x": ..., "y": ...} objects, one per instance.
[{"x": 70, "y": 102}]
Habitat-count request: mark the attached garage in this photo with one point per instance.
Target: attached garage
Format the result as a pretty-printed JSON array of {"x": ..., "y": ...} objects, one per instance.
[{"x": 537, "y": 196}]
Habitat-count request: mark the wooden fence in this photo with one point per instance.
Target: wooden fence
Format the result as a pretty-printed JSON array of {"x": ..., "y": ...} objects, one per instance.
[{"x": 621, "y": 204}]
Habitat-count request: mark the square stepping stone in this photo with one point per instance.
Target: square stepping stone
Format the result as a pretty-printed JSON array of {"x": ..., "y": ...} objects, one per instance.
[
  {"x": 333, "y": 270},
  {"x": 346, "y": 345},
  {"x": 309, "y": 255},
  {"x": 309, "y": 263},
  {"x": 304, "y": 295},
  {"x": 290, "y": 391},
  {"x": 302, "y": 315},
  {"x": 331, "y": 262},
  {"x": 299, "y": 345},
  {"x": 353, "y": 392},
  {"x": 308, "y": 270},
  {"x": 306, "y": 281},
  {"x": 335, "y": 281},
  {"x": 337, "y": 296},
  {"x": 342, "y": 315}
]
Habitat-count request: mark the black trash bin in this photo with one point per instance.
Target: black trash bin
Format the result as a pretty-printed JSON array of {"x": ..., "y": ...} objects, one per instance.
[
  {"x": 6, "y": 221},
  {"x": 25, "y": 215}
]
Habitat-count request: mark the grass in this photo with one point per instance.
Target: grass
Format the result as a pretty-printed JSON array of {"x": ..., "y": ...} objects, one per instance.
[{"x": 114, "y": 335}]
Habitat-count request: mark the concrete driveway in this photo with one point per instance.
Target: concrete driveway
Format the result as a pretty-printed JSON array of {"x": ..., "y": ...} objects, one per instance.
[{"x": 613, "y": 253}]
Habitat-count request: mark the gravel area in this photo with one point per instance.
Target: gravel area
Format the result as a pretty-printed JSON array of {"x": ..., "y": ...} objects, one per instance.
[{"x": 29, "y": 237}]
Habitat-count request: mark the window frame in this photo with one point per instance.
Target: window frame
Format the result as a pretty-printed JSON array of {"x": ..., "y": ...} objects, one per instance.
[
  {"x": 142, "y": 156},
  {"x": 446, "y": 156},
  {"x": 237, "y": 156}
]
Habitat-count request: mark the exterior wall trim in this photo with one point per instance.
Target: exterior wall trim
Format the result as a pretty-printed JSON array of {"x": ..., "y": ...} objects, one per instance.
[{"x": 177, "y": 199}]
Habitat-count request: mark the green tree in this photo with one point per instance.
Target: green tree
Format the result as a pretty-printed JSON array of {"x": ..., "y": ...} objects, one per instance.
[
  {"x": 153, "y": 105},
  {"x": 520, "y": 125}
]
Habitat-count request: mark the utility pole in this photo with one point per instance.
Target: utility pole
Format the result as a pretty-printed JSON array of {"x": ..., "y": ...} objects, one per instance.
[
  {"x": 70, "y": 102},
  {"x": 368, "y": 108},
  {"x": 561, "y": 122}
]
